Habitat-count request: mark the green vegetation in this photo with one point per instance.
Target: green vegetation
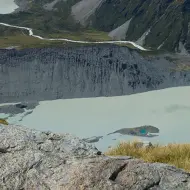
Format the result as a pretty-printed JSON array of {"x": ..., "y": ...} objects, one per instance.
[
  {"x": 173, "y": 154},
  {"x": 42, "y": 20},
  {"x": 57, "y": 23},
  {"x": 88, "y": 35},
  {"x": 3, "y": 121},
  {"x": 163, "y": 31},
  {"x": 168, "y": 21},
  {"x": 24, "y": 41},
  {"x": 8, "y": 31},
  {"x": 21, "y": 39}
]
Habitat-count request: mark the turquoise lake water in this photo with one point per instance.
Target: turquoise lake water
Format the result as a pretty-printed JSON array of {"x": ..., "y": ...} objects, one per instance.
[{"x": 168, "y": 110}]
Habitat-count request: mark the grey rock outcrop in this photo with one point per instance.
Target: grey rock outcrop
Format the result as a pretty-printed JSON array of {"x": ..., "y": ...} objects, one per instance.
[
  {"x": 30, "y": 160},
  {"x": 17, "y": 108},
  {"x": 79, "y": 72},
  {"x": 24, "y": 5}
]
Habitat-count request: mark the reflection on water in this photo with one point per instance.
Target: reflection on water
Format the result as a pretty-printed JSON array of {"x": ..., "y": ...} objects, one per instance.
[
  {"x": 176, "y": 107},
  {"x": 7, "y": 6},
  {"x": 96, "y": 117}
]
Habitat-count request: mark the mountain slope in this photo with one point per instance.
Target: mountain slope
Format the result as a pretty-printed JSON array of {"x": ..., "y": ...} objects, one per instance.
[
  {"x": 155, "y": 24},
  {"x": 167, "y": 21}
]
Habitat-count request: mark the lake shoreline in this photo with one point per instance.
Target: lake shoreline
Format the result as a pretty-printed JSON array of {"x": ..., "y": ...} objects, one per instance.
[{"x": 100, "y": 116}]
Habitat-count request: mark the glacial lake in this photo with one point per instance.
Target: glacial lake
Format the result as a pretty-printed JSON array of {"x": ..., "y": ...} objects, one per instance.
[
  {"x": 168, "y": 110},
  {"x": 7, "y": 6}
]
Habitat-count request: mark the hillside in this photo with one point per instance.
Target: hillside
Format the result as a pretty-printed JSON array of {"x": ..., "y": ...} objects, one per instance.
[
  {"x": 158, "y": 24},
  {"x": 155, "y": 24}
]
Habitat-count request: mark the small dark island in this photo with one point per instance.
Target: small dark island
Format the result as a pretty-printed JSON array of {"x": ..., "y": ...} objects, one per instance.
[{"x": 143, "y": 131}]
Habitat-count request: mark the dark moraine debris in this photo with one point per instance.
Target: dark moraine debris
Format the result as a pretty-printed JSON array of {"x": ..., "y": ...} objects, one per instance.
[
  {"x": 21, "y": 106},
  {"x": 10, "y": 109},
  {"x": 17, "y": 108},
  {"x": 27, "y": 105},
  {"x": 145, "y": 131}
]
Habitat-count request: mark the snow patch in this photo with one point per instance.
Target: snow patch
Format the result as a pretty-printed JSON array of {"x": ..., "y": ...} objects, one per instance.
[{"x": 182, "y": 49}]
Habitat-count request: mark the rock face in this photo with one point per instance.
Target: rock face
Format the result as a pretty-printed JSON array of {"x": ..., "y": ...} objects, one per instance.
[
  {"x": 167, "y": 21},
  {"x": 31, "y": 159},
  {"x": 78, "y": 72}
]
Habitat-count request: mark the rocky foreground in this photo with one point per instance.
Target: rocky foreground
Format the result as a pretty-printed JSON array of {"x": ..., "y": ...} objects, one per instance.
[{"x": 31, "y": 159}]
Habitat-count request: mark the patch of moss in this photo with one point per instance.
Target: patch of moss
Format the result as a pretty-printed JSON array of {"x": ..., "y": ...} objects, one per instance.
[{"x": 3, "y": 121}]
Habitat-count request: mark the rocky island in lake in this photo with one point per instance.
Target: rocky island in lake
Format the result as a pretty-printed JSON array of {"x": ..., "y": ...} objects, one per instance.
[{"x": 145, "y": 131}]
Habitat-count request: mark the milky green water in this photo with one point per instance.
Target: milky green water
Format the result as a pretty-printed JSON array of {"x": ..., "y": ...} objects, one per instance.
[
  {"x": 7, "y": 6},
  {"x": 168, "y": 110}
]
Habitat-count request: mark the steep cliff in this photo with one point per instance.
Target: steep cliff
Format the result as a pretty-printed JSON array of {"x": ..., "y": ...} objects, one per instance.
[{"x": 85, "y": 71}]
